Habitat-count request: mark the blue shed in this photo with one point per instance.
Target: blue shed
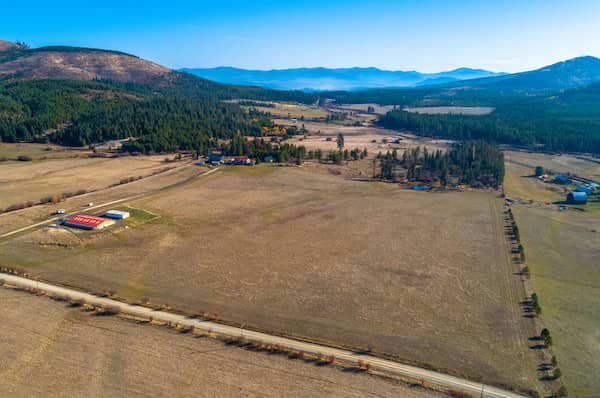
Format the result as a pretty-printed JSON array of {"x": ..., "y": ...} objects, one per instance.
[
  {"x": 215, "y": 157},
  {"x": 560, "y": 179},
  {"x": 421, "y": 188},
  {"x": 577, "y": 198},
  {"x": 583, "y": 188},
  {"x": 268, "y": 159}
]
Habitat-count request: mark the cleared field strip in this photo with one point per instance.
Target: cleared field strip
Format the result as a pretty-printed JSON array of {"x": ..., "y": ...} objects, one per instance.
[
  {"x": 114, "y": 202},
  {"x": 435, "y": 378}
]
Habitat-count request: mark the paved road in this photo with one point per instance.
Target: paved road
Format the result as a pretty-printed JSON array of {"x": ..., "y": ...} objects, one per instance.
[
  {"x": 431, "y": 377},
  {"x": 114, "y": 202}
]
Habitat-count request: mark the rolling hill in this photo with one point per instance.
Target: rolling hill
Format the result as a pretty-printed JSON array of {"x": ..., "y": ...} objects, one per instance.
[
  {"x": 77, "y": 96},
  {"x": 322, "y": 79},
  {"x": 73, "y": 63},
  {"x": 576, "y": 72}
]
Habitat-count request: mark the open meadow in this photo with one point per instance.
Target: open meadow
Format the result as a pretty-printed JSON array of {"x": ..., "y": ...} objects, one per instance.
[
  {"x": 51, "y": 349},
  {"x": 521, "y": 183},
  {"x": 375, "y": 139},
  {"x": 9, "y": 151},
  {"x": 563, "y": 252},
  {"x": 290, "y": 110},
  {"x": 21, "y": 218},
  {"x": 424, "y": 277},
  {"x": 452, "y": 110},
  {"x": 582, "y": 166},
  {"x": 21, "y": 182}
]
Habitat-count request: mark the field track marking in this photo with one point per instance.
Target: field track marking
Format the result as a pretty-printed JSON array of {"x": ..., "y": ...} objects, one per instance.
[{"x": 391, "y": 367}]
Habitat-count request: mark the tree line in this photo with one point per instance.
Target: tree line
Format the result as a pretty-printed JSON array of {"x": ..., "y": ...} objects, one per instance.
[{"x": 475, "y": 163}]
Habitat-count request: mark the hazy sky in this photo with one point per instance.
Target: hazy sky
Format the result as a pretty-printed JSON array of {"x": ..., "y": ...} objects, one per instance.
[{"x": 423, "y": 35}]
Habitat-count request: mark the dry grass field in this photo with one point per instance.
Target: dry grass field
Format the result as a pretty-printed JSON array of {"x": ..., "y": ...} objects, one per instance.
[
  {"x": 284, "y": 109},
  {"x": 38, "y": 151},
  {"x": 563, "y": 253},
  {"x": 582, "y": 166},
  {"x": 50, "y": 349},
  {"x": 422, "y": 276},
  {"x": 452, "y": 110},
  {"x": 379, "y": 109},
  {"x": 375, "y": 139},
  {"x": 18, "y": 219},
  {"x": 520, "y": 183},
  {"x": 30, "y": 181}
]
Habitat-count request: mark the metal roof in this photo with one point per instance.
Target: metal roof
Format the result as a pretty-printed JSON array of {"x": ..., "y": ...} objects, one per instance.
[{"x": 84, "y": 219}]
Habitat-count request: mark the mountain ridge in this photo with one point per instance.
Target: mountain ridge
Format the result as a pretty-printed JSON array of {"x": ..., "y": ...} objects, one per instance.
[{"x": 323, "y": 79}]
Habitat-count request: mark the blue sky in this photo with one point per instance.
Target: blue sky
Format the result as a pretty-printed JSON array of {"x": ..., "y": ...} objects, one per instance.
[{"x": 426, "y": 35}]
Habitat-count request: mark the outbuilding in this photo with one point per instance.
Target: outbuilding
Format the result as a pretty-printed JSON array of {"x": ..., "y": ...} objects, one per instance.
[
  {"x": 215, "y": 158},
  {"x": 583, "y": 188},
  {"x": 421, "y": 188},
  {"x": 117, "y": 214},
  {"x": 563, "y": 180},
  {"x": 85, "y": 221},
  {"x": 577, "y": 198},
  {"x": 240, "y": 160}
]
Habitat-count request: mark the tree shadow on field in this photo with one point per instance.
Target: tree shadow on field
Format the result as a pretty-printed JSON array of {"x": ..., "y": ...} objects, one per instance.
[
  {"x": 537, "y": 347},
  {"x": 544, "y": 367},
  {"x": 352, "y": 370}
]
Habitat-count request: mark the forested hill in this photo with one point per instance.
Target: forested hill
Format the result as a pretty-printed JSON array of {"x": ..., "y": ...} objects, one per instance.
[
  {"x": 90, "y": 95},
  {"x": 564, "y": 121}
]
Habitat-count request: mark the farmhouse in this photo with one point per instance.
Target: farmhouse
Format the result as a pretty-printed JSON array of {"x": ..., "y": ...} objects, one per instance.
[
  {"x": 577, "y": 198},
  {"x": 85, "y": 221},
  {"x": 241, "y": 160},
  {"x": 117, "y": 214}
]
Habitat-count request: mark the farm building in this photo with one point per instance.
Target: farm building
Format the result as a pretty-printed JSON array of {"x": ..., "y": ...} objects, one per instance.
[
  {"x": 421, "y": 188},
  {"x": 577, "y": 198},
  {"x": 583, "y": 188},
  {"x": 241, "y": 160},
  {"x": 85, "y": 221},
  {"x": 117, "y": 214},
  {"x": 268, "y": 159},
  {"x": 215, "y": 158},
  {"x": 560, "y": 179}
]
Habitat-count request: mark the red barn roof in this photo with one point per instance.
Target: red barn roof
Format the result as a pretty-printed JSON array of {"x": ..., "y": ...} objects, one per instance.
[{"x": 82, "y": 219}]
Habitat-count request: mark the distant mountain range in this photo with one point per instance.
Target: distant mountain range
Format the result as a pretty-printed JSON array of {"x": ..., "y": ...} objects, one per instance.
[
  {"x": 325, "y": 79},
  {"x": 572, "y": 73},
  {"x": 73, "y": 63}
]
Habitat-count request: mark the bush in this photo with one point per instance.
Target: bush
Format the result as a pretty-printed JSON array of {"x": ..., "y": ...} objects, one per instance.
[
  {"x": 539, "y": 170},
  {"x": 110, "y": 310},
  {"x": 557, "y": 373}
]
